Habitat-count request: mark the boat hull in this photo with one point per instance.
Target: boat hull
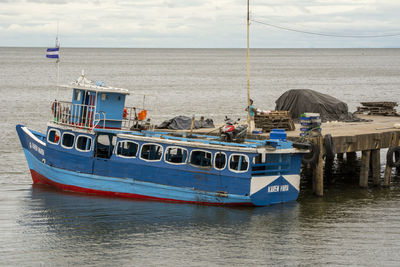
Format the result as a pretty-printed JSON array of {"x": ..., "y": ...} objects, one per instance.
[
  {"x": 261, "y": 190},
  {"x": 122, "y": 187}
]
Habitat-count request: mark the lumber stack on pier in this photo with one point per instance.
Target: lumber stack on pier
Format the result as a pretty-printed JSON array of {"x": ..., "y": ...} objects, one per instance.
[
  {"x": 274, "y": 120},
  {"x": 378, "y": 108}
]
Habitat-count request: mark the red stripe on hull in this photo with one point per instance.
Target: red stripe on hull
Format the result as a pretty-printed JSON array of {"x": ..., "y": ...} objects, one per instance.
[{"x": 40, "y": 179}]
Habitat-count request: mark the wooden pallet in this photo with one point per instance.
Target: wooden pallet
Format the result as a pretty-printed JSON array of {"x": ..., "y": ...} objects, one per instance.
[
  {"x": 378, "y": 108},
  {"x": 274, "y": 120}
]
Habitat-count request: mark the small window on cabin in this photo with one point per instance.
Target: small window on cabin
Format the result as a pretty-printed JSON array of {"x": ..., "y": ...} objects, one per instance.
[
  {"x": 220, "y": 161},
  {"x": 127, "y": 149},
  {"x": 200, "y": 158},
  {"x": 83, "y": 143},
  {"x": 68, "y": 140},
  {"x": 77, "y": 94},
  {"x": 103, "y": 97},
  {"x": 151, "y": 152},
  {"x": 238, "y": 163},
  {"x": 53, "y": 136},
  {"x": 176, "y": 155}
]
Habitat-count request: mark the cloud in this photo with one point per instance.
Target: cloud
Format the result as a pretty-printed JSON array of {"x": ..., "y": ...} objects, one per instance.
[{"x": 192, "y": 23}]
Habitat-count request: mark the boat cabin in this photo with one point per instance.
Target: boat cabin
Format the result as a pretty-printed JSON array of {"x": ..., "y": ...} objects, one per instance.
[{"x": 93, "y": 105}]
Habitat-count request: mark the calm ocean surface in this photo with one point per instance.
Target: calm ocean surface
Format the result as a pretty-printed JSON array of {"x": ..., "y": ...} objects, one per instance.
[{"x": 40, "y": 226}]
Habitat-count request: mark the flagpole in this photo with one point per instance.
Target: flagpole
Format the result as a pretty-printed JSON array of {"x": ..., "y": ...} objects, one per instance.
[{"x": 58, "y": 61}]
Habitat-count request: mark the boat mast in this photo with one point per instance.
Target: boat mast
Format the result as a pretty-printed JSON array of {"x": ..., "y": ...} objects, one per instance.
[{"x": 249, "y": 118}]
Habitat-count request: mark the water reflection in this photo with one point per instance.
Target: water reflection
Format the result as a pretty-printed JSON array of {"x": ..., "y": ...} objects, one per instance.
[{"x": 136, "y": 230}]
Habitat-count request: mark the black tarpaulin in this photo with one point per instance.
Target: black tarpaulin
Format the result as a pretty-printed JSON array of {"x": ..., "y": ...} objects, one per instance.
[
  {"x": 299, "y": 101},
  {"x": 184, "y": 123}
]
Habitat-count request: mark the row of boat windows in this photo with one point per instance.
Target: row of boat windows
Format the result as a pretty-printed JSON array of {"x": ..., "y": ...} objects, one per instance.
[{"x": 154, "y": 152}]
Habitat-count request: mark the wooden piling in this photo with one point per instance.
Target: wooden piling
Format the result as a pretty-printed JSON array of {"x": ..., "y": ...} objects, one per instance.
[
  {"x": 376, "y": 166},
  {"x": 351, "y": 158},
  {"x": 388, "y": 169},
  {"x": 329, "y": 168},
  {"x": 318, "y": 181},
  {"x": 397, "y": 157},
  {"x": 365, "y": 159}
]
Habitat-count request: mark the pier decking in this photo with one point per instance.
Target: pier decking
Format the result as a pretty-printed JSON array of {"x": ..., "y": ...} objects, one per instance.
[{"x": 350, "y": 138}]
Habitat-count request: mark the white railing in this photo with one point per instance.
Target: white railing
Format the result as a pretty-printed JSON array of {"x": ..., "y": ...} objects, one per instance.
[
  {"x": 76, "y": 115},
  {"x": 87, "y": 117},
  {"x": 135, "y": 118}
]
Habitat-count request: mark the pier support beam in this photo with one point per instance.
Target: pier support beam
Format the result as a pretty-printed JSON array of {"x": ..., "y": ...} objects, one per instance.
[
  {"x": 388, "y": 170},
  {"x": 376, "y": 166},
  {"x": 328, "y": 168},
  {"x": 397, "y": 157},
  {"x": 351, "y": 158},
  {"x": 365, "y": 159},
  {"x": 318, "y": 181},
  {"x": 388, "y": 176}
]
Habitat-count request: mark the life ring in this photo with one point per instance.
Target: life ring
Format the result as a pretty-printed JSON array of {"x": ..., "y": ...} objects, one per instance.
[
  {"x": 312, "y": 156},
  {"x": 389, "y": 157},
  {"x": 142, "y": 115},
  {"x": 125, "y": 113},
  {"x": 329, "y": 147}
]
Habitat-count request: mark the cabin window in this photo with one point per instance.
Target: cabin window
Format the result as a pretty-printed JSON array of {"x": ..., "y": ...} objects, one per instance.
[
  {"x": 220, "y": 161},
  {"x": 83, "y": 143},
  {"x": 103, "y": 97},
  {"x": 176, "y": 155},
  {"x": 127, "y": 149},
  {"x": 238, "y": 163},
  {"x": 53, "y": 136},
  {"x": 200, "y": 158},
  {"x": 68, "y": 140},
  {"x": 151, "y": 152}
]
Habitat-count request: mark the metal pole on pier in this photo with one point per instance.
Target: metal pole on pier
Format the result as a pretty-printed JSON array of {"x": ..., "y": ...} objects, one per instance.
[{"x": 250, "y": 119}]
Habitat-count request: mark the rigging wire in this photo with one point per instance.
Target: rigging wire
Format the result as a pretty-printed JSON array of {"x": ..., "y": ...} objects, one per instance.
[{"x": 325, "y": 34}]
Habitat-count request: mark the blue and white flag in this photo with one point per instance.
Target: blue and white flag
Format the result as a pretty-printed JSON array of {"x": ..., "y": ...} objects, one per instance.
[{"x": 53, "y": 52}]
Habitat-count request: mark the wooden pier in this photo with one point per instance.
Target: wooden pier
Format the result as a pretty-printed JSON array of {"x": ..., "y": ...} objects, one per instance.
[
  {"x": 368, "y": 138},
  {"x": 352, "y": 137}
]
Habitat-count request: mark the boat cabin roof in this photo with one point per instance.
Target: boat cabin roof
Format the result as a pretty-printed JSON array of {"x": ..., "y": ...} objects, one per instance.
[{"x": 98, "y": 86}]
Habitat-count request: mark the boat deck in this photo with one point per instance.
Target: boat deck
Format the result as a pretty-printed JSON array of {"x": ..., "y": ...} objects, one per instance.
[{"x": 347, "y": 136}]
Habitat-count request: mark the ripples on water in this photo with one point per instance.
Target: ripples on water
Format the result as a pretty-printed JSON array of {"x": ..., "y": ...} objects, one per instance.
[{"x": 41, "y": 226}]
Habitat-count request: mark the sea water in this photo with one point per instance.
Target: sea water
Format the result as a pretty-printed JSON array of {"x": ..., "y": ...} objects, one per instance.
[{"x": 40, "y": 226}]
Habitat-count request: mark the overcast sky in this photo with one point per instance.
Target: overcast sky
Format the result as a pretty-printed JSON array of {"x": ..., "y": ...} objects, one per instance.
[{"x": 197, "y": 23}]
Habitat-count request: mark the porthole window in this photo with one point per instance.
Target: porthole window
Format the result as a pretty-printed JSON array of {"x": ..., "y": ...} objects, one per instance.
[
  {"x": 176, "y": 155},
  {"x": 127, "y": 149},
  {"x": 219, "y": 161},
  {"x": 53, "y": 136},
  {"x": 201, "y": 158},
  {"x": 151, "y": 152},
  {"x": 68, "y": 140},
  {"x": 83, "y": 143},
  {"x": 238, "y": 163}
]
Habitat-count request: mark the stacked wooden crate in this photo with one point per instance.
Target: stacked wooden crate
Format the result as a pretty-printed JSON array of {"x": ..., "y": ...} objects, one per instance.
[
  {"x": 378, "y": 108},
  {"x": 274, "y": 120}
]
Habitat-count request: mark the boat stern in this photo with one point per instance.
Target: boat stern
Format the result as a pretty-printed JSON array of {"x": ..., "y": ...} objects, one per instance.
[{"x": 274, "y": 189}]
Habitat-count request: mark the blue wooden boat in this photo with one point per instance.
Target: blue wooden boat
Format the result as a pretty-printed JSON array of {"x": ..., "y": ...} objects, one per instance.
[{"x": 92, "y": 146}]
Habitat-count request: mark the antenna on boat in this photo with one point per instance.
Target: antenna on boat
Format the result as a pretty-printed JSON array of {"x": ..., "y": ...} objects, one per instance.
[{"x": 250, "y": 119}]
